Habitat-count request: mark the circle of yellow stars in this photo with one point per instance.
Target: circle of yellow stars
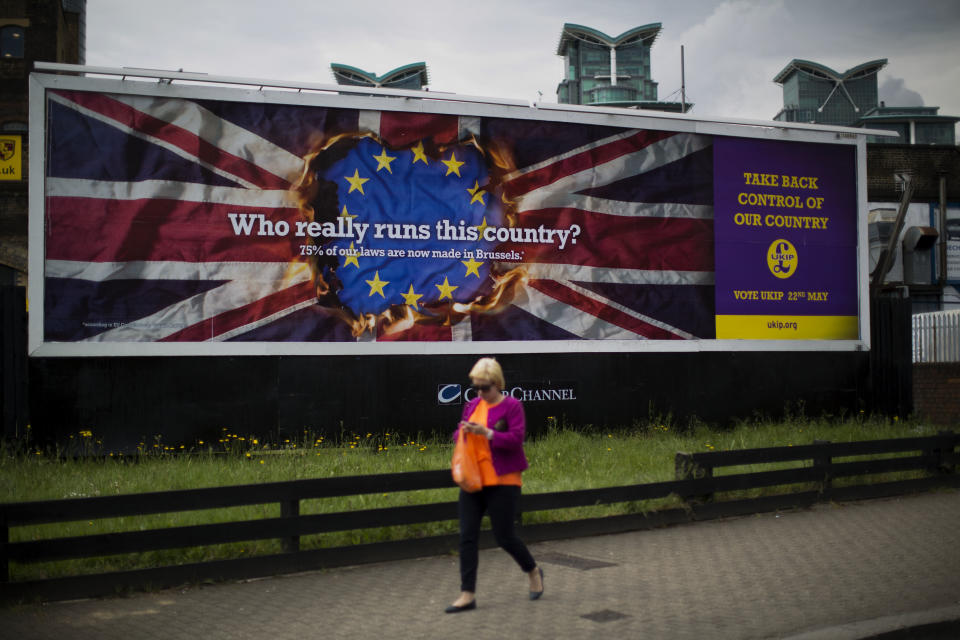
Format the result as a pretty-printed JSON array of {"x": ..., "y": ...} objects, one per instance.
[{"x": 384, "y": 161}]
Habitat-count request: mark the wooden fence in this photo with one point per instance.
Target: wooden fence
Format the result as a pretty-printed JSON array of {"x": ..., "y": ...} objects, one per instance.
[{"x": 699, "y": 480}]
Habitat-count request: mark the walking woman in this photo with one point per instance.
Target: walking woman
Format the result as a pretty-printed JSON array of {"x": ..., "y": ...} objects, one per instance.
[{"x": 496, "y": 424}]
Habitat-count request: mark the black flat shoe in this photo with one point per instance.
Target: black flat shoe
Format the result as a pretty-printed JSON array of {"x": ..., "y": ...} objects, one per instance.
[
  {"x": 467, "y": 607},
  {"x": 535, "y": 595}
]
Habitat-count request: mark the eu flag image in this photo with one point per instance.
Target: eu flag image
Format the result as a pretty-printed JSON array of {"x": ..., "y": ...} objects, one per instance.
[{"x": 419, "y": 217}]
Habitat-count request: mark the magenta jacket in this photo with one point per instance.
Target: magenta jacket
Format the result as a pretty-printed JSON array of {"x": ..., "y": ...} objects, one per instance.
[{"x": 506, "y": 447}]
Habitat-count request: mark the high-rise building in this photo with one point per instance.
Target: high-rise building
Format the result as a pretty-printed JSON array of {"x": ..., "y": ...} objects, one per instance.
[
  {"x": 30, "y": 31},
  {"x": 411, "y": 76},
  {"x": 610, "y": 71},
  {"x": 818, "y": 94}
]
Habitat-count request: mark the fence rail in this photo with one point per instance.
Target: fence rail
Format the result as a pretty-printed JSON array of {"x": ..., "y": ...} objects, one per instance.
[
  {"x": 936, "y": 336},
  {"x": 697, "y": 481}
]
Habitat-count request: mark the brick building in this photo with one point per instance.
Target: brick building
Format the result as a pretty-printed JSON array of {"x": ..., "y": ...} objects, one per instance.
[{"x": 30, "y": 31}]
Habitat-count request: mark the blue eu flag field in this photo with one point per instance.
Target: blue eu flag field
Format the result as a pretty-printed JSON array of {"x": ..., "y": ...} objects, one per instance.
[{"x": 419, "y": 210}]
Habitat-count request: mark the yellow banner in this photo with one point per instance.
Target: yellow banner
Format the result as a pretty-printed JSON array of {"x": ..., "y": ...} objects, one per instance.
[
  {"x": 11, "y": 157},
  {"x": 787, "y": 328}
]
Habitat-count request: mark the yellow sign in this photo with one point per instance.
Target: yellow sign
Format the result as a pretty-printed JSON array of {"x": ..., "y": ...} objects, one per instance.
[
  {"x": 11, "y": 157},
  {"x": 788, "y": 327}
]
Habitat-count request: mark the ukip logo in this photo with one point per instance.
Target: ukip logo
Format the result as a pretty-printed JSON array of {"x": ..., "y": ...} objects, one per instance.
[
  {"x": 8, "y": 149},
  {"x": 782, "y": 259}
]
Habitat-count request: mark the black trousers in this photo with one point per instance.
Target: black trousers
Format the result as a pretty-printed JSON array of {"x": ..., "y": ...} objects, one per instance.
[{"x": 500, "y": 503}]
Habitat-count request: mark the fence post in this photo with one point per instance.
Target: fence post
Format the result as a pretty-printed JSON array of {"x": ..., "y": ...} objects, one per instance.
[
  {"x": 824, "y": 462},
  {"x": 685, "y": 468},
  {"x": 939, "y": 465},
  {"x": 4, "y": 541},
  {"x": 951, "y": 449},
  {"x": 290, "y": 509}
]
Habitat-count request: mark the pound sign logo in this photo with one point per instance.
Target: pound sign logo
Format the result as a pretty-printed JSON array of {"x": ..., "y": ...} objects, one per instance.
[{"x": 782, "y": 259}]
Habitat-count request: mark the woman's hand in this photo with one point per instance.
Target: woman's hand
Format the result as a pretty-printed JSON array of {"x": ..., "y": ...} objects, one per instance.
[{"x": 473, "y": 427}]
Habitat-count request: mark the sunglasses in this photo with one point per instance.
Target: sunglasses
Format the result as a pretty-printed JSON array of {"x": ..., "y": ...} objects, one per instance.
[{"x": 483, "y": 388}]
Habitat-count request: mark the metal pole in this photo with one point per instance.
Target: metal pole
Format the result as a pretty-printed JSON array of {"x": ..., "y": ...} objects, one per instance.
[
  {"x": 943, "y": 234},
  {"x": 887, "y": 257},
  {"x": 683, "y": 84}
]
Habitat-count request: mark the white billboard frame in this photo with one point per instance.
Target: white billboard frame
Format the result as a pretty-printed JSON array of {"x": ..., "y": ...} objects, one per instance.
[{"x": 197, "y": 86}]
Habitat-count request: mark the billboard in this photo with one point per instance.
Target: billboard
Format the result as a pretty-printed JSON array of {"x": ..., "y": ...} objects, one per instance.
[
  {"x": 174, "y": 220},
  {"x": 952, "y": 233}
]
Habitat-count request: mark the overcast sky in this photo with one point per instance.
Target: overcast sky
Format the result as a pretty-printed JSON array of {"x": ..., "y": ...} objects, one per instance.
[{"x": 507, "y": 48}]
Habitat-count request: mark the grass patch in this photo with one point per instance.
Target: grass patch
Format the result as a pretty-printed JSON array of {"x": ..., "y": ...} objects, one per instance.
[{"x": 562, "y": 459}]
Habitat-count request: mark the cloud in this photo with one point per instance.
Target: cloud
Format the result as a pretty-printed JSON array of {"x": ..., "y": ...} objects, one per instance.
[
  {"x": 894, "y": 93},
  {"x": 727, "y": 74},
  {"x": 506, "y": 48}
]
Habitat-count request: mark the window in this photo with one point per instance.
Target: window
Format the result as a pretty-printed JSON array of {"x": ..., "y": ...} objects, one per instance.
[
  {"x": 935, "y": 133},
  {"x": 11, "y": 41},
  {"x": 902, "y": 128}
]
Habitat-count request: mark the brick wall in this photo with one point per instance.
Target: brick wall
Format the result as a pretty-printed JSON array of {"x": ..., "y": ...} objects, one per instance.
[
  {"x": 936, "y": 392},
  {"x": 927, "y": 163}
]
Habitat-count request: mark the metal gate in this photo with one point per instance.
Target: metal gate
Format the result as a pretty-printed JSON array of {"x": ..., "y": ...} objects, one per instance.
[
  {"x": 891, "y": 367},
  {"x": 936, "y": 336}
]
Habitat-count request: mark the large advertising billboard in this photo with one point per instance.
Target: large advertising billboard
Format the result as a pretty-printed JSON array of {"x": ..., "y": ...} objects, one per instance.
[{"x": 174, "y": 223}]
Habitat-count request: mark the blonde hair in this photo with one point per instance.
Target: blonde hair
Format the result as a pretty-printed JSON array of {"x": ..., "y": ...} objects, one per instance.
[{"x": 488, "y": 369}]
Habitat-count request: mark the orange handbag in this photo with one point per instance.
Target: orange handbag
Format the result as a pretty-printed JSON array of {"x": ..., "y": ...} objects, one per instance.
[{"x": 464, "y": 467}]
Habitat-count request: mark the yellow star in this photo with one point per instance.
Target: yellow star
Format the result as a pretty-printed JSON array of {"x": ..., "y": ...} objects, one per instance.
[
  {"x": 356, "y": 182},
  {"x": 446, "y": 291},
  {"x": 477, "y": 193},
  {"x": 453, "y": 165},
  {"x": 411, "y": 298},
  {"x": 352, "y": 258},
  {"x": 383, "y": 161},
  {"x": 344, "y": 214},
  {"x": 482, "y": 227},
  {"x": 376, "y": 285},
  {"x": 472, "y": 267},
  {"x": 418, "y": 153}
]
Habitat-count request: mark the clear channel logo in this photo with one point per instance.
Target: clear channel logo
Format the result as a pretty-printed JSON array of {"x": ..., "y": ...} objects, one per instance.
[{"x": 449, "y": 394}]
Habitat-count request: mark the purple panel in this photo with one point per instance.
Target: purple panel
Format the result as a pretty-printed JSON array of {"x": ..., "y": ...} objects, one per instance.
[{"x": 758, "y": 206}]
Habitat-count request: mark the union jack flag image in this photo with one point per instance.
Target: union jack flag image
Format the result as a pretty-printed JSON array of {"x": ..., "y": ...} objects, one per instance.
[{"x": 176, "y": 220}]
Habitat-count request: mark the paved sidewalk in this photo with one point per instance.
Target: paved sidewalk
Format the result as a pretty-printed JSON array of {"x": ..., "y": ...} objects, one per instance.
[{"x": 832, "y": 572}]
